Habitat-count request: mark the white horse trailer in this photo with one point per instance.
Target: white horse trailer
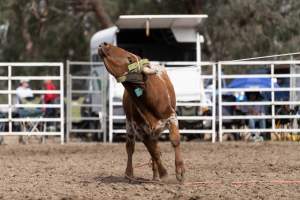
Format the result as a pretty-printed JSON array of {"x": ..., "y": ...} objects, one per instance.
[{"x": 170, "y": 40}]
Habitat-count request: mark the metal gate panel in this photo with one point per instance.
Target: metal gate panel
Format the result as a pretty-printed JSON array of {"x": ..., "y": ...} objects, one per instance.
[
  {"x": 272, "y": 102},
  {"x": 94, "y": 90},
  {"x": 11, "y": 106}
]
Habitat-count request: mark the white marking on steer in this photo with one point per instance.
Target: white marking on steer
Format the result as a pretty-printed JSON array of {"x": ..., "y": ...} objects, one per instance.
[
  {"x": 159, "y": 68},
  {"x": 140, "y": 130}
]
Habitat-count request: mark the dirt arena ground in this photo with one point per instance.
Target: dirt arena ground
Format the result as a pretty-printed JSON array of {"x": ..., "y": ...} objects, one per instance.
[{"x": 95, "y": 171}]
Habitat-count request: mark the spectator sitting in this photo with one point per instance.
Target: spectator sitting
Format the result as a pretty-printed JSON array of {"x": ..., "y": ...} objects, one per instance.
[
  {"x": 25, "y": 96},
  {"x": 283, "y": 110},
  {"x": 24, "y": 91},
  {"x": 256, "y": 110}
]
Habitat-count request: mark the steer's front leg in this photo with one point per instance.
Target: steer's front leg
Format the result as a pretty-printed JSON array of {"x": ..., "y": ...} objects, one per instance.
[
  {"x": 175, "y": 141},
  {"x": 130, "y": 145}
]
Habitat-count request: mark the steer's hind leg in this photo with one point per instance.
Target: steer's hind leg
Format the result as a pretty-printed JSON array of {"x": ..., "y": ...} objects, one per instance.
[
  {"x": 155, "y": 170},
  {"x": 130, "y": 144},
  {"x": 157, "y": 166},
  {"x": 175, "y": 141}
]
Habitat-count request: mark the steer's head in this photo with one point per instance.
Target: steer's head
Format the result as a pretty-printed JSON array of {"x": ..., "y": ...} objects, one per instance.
[{"x": 116, "y": 60}]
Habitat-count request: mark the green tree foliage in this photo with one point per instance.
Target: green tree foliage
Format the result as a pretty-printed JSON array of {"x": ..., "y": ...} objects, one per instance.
[
  {"x": 62, "y": 29},
  {"x": 247, "y": 28},
  {"x": 62, "y": 32}
]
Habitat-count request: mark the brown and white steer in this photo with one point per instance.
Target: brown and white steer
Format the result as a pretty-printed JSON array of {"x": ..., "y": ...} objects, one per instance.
[{"x": 149, "y": 103}]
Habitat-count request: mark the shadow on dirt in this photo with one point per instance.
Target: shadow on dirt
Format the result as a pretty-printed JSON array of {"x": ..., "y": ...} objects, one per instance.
[{"x": 120, "y": 179}]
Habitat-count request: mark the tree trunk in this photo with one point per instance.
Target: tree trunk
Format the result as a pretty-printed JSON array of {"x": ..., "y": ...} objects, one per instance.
[
  {"x": 193, "y": 6},
  {"x": 97, "y": 7},
  {"x": 23, "y": 24},
  {"x": 101, "y": 13}
]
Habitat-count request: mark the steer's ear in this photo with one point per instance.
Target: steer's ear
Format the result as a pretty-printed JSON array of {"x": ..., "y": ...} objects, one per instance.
[{"x": 148, "y": 70}]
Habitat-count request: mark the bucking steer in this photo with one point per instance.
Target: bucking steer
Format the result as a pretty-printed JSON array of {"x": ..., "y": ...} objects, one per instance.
[{"x": 149, "y": 103}]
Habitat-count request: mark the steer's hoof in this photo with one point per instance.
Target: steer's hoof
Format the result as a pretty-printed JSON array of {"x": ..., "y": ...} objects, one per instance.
[
  {"x": 130, "y": 178},
  {"x": 163, "y": 174},
  {"x": 180, "y": 173},
  {"x": 164, "y": 177},
  {"x": 129, "y": 172},
  {"x": 180, "y": 177}
]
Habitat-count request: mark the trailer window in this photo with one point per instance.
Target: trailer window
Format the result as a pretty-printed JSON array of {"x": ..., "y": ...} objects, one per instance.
[{"x": 159, "y": 45}]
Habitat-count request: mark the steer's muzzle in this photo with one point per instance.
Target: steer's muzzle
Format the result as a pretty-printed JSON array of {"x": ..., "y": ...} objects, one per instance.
[
  {"x": 100, "y": 52},
  {"x": 102, "y": 49}
]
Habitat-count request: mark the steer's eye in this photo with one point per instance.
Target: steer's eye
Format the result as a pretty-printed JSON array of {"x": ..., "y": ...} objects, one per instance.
[{"x": 130, "y": 60}]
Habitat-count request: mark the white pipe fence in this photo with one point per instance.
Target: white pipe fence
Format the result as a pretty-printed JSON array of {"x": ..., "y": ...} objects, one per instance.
[
  {"x": 271, "y": 116},
  {"x": 11, "y": 106},
  {"x": 116, "y": 120},
  {"x": 116, "y": 105}
]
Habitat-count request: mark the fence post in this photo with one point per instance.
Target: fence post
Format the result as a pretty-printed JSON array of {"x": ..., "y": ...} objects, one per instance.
[
  {"x": 220, "y": 101},
  {"x": 68, "y": 102},
  {"x": 9, "y": 99},
  {"x": 62, "y": 113},
  {"x": 273, "y": 97},
  {"x": 214, "y": 103},
  {"x": 110, "y": 111},
  {"x": 104, "y": 107}
]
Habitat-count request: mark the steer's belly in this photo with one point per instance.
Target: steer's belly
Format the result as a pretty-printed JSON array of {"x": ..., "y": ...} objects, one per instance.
[{"x": 143, "y": 130}]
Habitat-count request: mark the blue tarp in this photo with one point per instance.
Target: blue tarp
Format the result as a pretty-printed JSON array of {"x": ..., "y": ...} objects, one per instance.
[
  {"x": 258, "y": 83},
  {"x": 252, "y": 83}
]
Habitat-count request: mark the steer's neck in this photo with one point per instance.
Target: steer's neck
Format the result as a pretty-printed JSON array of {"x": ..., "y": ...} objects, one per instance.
[{"x": 136, "y": 90}]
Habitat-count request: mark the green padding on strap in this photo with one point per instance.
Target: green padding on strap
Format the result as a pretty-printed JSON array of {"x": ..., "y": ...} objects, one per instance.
[
  {"x": 138, "y": 66},
  {"x": 133, "y": 66},
  {"x": 121, "y": 79}
]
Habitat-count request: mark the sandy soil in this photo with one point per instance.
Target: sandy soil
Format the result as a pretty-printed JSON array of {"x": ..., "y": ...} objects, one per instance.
[{"x": 95, "y": 171}]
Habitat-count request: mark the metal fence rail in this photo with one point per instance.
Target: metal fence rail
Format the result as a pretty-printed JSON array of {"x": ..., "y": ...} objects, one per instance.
[
  {"x": 97, "y": 97},
  {"x": 115, "y": 103},
  {"x": 10, "y": 106},
  {"x": 223, "y": 76}
]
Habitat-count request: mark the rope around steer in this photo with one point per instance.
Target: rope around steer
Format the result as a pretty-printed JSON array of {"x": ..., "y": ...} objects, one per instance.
[{"x": 196, "y": 183}]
